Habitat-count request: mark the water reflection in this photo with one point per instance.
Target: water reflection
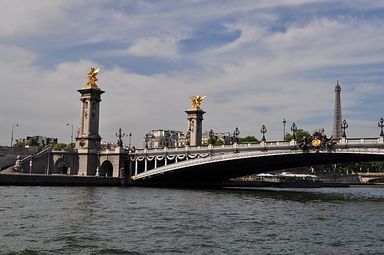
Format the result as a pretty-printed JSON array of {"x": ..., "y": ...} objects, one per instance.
[{"x": 315, "y": 194}]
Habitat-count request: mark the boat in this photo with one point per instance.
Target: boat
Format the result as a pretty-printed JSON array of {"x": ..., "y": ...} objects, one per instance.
[{"x": 290, "y": 180}]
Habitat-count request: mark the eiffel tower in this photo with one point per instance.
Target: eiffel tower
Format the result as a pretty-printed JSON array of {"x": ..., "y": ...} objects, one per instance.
[{"x": 336, "y": 134}]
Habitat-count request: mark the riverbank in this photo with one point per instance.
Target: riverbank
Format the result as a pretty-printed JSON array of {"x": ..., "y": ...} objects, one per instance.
[
  {"x": 58, "y": 180},
  {"x": 18, "y": 179},
  {"x": 323, "y": 185}
]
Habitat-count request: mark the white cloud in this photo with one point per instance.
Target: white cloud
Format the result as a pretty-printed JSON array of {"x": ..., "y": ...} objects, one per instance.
[{"x": 155, "y": 47}]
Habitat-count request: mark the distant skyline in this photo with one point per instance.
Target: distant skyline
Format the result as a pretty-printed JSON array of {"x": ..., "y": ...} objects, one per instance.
[{"x": 257, "y": 62}]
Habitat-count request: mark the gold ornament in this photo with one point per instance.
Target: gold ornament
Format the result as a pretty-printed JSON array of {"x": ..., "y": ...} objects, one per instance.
[
  {"x": 196, "y": 102},
  {"x": 316, "y": 142},
  {"x": 91, "y": 83}
]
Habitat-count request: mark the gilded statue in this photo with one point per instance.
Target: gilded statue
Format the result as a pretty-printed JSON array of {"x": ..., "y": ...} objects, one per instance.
[
  {"x": 196, "y": 102},
  {"x": 91, "y": 83}
]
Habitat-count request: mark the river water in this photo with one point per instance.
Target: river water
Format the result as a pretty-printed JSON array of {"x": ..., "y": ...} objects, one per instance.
[{"x": 113, "y": 220}]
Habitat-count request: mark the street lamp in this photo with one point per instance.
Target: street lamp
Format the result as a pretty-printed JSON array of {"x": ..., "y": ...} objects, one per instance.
[
  {"x": 71, "y": 125},
  {"x": 284, "y": 122},
  {"x": 146, "y": 141},
  {"x": 120, "y": 135},
  {"x": 293, "y": 129},
  {"x": 344, "y": 126},
  {"x": 381, "y": 125},
  {"x": 130, "y": 137},
  {"x": 13, "y": 126},
  {"x": 263, "y": 131},
  {"x": 211, "y": 135},
  {"x": 236, "y": 134}
]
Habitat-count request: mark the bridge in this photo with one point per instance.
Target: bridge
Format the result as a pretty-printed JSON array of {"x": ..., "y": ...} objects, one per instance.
[
  {"x": 214, "y": 164},
  {"x": 193, "y": 163}
]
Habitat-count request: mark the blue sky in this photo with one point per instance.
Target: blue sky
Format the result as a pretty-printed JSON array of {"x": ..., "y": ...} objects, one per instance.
[{"x": 256, "y": 61}]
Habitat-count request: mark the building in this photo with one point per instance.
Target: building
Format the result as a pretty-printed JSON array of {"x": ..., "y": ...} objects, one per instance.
[
  {"x": 37, "y": 140},
  {"x": 160, "y": 138},
  {"x": 221, "y": 137}
]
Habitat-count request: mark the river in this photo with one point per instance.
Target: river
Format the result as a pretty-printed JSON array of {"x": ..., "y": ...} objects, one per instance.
[{"x": 114, "y": 220}]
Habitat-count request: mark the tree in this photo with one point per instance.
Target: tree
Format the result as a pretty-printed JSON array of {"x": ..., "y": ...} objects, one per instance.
[
  {"x": 299, "y": 134},
  {"x": 62, "y": 146},
  {"x": 249, "y": 139},
  {"x": 215, "y": 141}
]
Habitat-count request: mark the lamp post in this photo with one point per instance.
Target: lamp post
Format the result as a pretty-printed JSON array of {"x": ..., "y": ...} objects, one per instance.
[
  {"x": 236, "y": 134},
  {"x": 211, "y": 135},
  {"x": 381, "y": 126},
  {"x": 294, "y": 129},
  {"x": 344, "y": 126},
  {"x": 130, "y": 138},
  {"x": 71, "y": 125},
  {"x": 146, "y": 141},
  {"x": 284, "y": 122},
  {"x": 14, "y": 124},
  {"x": 263, "y": 131},
  {"x": 120, "y": 135}
]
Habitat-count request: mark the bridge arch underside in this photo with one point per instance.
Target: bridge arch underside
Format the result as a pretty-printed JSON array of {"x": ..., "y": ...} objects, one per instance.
[{"x": 216, "y": 172}]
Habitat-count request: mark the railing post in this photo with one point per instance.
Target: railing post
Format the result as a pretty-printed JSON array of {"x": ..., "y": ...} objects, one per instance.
[
  {"x": 136, "y": 166},
  {"x": 235, "y": 148}
]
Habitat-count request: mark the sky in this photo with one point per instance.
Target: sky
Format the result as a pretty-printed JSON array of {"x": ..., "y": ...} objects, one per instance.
[{"x": 256, "y": 61}]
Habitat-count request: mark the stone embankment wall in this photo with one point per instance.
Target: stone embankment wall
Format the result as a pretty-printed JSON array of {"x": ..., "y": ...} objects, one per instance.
[
  {"x": 8, "y": 155},
  {"x": 59, "y": 180}
]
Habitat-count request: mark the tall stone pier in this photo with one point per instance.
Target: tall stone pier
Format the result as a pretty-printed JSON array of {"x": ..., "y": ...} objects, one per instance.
[
  {"x": 195, "y": 121},
  {"x": 88, "y": 139}
]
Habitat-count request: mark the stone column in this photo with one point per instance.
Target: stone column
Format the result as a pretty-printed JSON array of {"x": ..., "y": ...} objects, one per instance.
[
  {"x": 88, "y": 139},
  {"x": 195, "y": 126}
]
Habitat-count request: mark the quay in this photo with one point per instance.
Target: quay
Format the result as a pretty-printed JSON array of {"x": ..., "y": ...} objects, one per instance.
[{"x": 58, "y": 180}]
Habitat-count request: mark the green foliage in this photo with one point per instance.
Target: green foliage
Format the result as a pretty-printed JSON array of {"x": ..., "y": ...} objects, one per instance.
[
  {"x": 62, "y": 146},
  {"x": 249, "y": 139},
  {"x": 19, "y": 145},
  {"x": 215, "y": 141},
  {"x": 299, "y": 134}
]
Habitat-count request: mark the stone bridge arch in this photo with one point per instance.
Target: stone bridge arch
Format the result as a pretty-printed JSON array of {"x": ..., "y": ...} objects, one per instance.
[
  {"x": 61, "y": 166},
  {"x": 106, "y": 169},
  {"x": 214, "y": 169},
  {"x": 64, "y": 163}
]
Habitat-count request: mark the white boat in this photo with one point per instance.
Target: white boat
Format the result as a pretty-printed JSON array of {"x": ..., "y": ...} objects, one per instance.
[{"x": 290, "y": 180}]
